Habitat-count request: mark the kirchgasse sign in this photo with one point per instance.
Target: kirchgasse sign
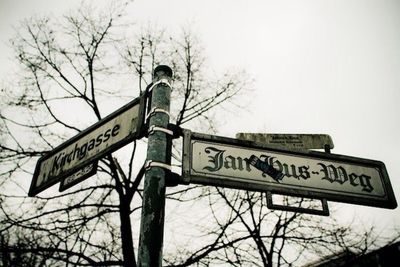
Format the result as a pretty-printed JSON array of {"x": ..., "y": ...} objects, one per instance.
[{"x": 107, "y": 135}]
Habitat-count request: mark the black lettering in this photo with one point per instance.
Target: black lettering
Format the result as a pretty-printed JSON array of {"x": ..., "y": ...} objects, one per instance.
[
  {"x": 240, "y": 164},
  {"x": 303, "y": 170},
  {"x": 365, "y": 183},
  {"x": 230, "y": 162},
  {"x": 70, "y": 156},
  {"x": 63, "y": 159},
  {"x": 276, "y": 164},
  {"x": 82, "y": 153},
  {"x": 334, "y": 174},
  {"x": 107, "y": 135},
  {"x": 115, "y": 130},
  {"x": 76, "y": 151},
  {"x": 288, "y": 170},
  {"x": 339, "y": 175},
  {"x": 353, "y": 177},
  {"x": 99, "y": 139},
  {"x": 342, "y": 175},
  {"x": 290, "y": 173},
  {"x": 56, "y": 162},
  {"x": 79, "y": 152},
  {"x": 216, "y": 158},
  {"x": 330, "y": 172},
  {"x": 91, "y": 144}
]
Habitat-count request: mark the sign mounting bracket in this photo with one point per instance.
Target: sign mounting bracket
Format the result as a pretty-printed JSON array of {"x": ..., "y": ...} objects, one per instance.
[{"x": 323, "y": 212}]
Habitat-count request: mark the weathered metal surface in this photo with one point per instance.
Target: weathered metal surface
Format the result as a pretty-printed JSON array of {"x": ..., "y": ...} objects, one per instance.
[
  {"x": 152, "y": 221},
  {"x": 107, "y": 135},
  {"x": 296, "y": 141},
  {"x": 220, "y": 161}
]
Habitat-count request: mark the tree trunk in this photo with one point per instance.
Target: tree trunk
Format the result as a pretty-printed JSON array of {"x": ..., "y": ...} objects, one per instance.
[{"x": 126, "y": 235}]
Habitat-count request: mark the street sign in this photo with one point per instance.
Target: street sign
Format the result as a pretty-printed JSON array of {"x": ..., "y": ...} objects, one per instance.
[
  {"x": 78, "y": 176},
  {"x": 105, "y": 136},
  {"x": 221, "y": 161},
  {"x": 297, "y": 141}
]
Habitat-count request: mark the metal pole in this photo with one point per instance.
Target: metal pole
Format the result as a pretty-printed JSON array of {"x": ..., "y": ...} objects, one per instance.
[{"x": 152, "y": 222}]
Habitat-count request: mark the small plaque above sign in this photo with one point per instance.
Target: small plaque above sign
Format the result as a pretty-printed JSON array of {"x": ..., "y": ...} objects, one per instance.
[{"x": 296, "y": 141}]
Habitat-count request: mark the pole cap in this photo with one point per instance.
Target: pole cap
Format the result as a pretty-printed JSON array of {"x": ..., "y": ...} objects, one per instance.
[{"x": 163, "y": 68}]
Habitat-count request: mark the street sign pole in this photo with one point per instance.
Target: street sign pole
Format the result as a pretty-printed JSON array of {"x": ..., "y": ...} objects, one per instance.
[{"x": 157, "y": 165}]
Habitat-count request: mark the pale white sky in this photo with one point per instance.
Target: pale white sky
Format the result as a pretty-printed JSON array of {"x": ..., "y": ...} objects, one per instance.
[{"x": 328, "y": 67}]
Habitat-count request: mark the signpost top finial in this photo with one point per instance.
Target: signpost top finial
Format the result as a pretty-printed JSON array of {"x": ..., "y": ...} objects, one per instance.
[{"x": 163, "y": 70}]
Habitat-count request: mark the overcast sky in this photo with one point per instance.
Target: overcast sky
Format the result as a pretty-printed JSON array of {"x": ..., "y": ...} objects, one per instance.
[{"x": 319, "y": 66}]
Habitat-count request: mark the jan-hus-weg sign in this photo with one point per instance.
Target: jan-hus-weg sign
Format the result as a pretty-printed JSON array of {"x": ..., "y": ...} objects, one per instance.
[{"x": 220, "y": 161}]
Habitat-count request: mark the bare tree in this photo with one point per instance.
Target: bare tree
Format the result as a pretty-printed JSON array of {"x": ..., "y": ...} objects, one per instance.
[
  {"x": 239, "y": 230},
  {"x": 72, "y": 64},
  {"x": 85, "y": 62}
]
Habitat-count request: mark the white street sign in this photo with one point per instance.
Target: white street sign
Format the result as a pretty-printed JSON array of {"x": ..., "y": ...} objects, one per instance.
[
  {"x": 107, "y": 135},
  {"x": 220, "y": 161}
]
